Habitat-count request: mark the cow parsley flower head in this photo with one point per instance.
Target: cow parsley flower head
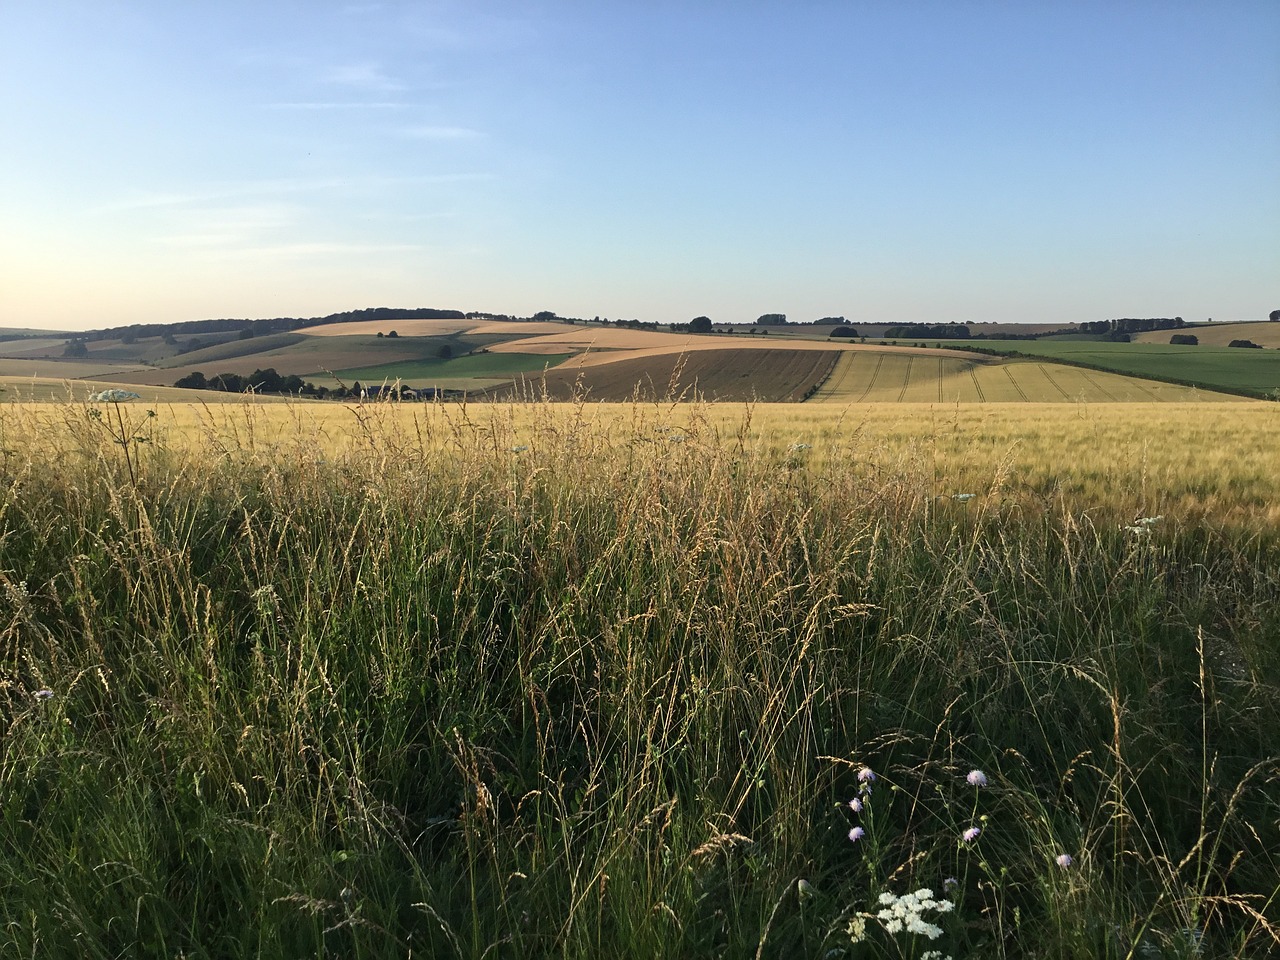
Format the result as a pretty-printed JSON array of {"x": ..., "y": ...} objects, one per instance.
[
  {"x": 908, "y": 912},
  {"x": 971, "y": 834},
  {"x": 977, "y": 778},
  {"x": 857, "y": 928}
]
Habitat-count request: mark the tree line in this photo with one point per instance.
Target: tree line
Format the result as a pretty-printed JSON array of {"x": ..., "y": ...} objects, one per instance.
[
  {"x": 260, "y": 381},
  {"x": 1132, "y": 325}
]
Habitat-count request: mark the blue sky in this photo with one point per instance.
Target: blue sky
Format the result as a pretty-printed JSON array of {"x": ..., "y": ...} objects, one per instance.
[{"x": 898, "y": 160}]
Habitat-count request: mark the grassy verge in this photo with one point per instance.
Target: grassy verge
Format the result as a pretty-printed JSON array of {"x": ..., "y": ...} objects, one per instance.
[{"x": 581, "y": 689}]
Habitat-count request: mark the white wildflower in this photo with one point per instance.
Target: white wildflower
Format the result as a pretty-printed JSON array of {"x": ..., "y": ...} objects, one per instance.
[{"x": 858, "y": 928}]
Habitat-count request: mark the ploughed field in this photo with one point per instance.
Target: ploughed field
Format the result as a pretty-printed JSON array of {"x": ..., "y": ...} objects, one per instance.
[{"x": 653, "y": 679}]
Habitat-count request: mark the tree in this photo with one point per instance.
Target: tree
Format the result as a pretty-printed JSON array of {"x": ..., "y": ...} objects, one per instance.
[
  {"x": 545, "y": 315},
  {"x": 772, "y": 319},
  {"x": 1185, "y": 339},
  {"x": 246, "y": 334},
  {"x": 75, "y": 348},
  {"x": 1275, "y": 315},
  {"x": 445, "y": 352},
  {"x": 700, "y": 325},
  {"x": 392, "y": 334}
]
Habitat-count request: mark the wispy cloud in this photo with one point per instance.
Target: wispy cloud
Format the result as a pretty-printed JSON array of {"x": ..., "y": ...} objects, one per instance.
[
  {"x": 286, "y": 186},
  {"x": 439, "y": 133},
  {"x": 314, "y": 250},
  {"x": 337, "y": 105},
  {"x": 364, "y": 76},
  {"x": 205, "y": 227}
]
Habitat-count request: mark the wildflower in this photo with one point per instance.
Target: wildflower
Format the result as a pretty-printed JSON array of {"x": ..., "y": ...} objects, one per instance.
[
  {"x": 114, "y": 395},
  {"x": 520, "y": 448},
  {"x": 866, "y": 775},
  {"x": 971, "y": 834},
  {"x": 45, "y": 694},
  {"x": 855, "y": 805},
  {"x": 1064, "y": 860},
  {"x": 950, "y": 884},
  {"x": 907, "y": 912},
  {"x": 977, "y": 778},
  {"x": 963, "y": 497},
  {"x": 804, "y": 889},
  {"x": 1148, "y": 521},
  {"x": 1137, "y": 531},
  {"x": 856, "y": 834},
  {"x": 858, "y": 928},
  {"x": 797, "y": 447}
]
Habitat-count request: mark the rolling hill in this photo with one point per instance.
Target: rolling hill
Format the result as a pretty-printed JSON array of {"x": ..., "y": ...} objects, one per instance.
[{"x": 505, "y": 359}]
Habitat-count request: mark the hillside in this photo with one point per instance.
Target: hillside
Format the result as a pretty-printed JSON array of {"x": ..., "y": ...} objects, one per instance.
[
  {"x": 505, "y": 358},
  {"x": 1264, "y": 333}
]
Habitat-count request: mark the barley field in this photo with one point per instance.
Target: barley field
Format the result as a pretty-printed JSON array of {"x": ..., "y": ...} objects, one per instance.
[{"x": 640, "y": 680}]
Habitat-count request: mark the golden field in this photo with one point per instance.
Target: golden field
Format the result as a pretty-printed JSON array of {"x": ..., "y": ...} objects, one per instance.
[{"x": 1191, "y": 460}]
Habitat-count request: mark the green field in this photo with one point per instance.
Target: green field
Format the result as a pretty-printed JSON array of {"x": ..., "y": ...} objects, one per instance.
[
  {"x": 873, "y": 377},
  {"x": 1209, "y": 367}
]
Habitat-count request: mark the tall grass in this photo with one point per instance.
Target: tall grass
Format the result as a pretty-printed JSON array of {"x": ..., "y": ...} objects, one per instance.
[{"x": 488, "y": 685}]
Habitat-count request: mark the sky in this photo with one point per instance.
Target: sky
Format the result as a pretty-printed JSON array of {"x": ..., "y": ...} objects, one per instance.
[{"x": 881, "y": 160}]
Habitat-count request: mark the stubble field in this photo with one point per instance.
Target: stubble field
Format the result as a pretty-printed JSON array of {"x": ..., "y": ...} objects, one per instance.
[{"x": 643, "y": 680}]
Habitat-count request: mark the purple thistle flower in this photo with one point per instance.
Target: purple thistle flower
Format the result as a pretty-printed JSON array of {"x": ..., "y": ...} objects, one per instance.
[
  {"x": 977, "y": 778},
  {"x": 1064, "y": 860},
  {"x": 45, "y": 694},
  {"x": 971, "y": 834},
  {"x": 950, "y": 883},
  {"x": 856, "y": 834}
]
